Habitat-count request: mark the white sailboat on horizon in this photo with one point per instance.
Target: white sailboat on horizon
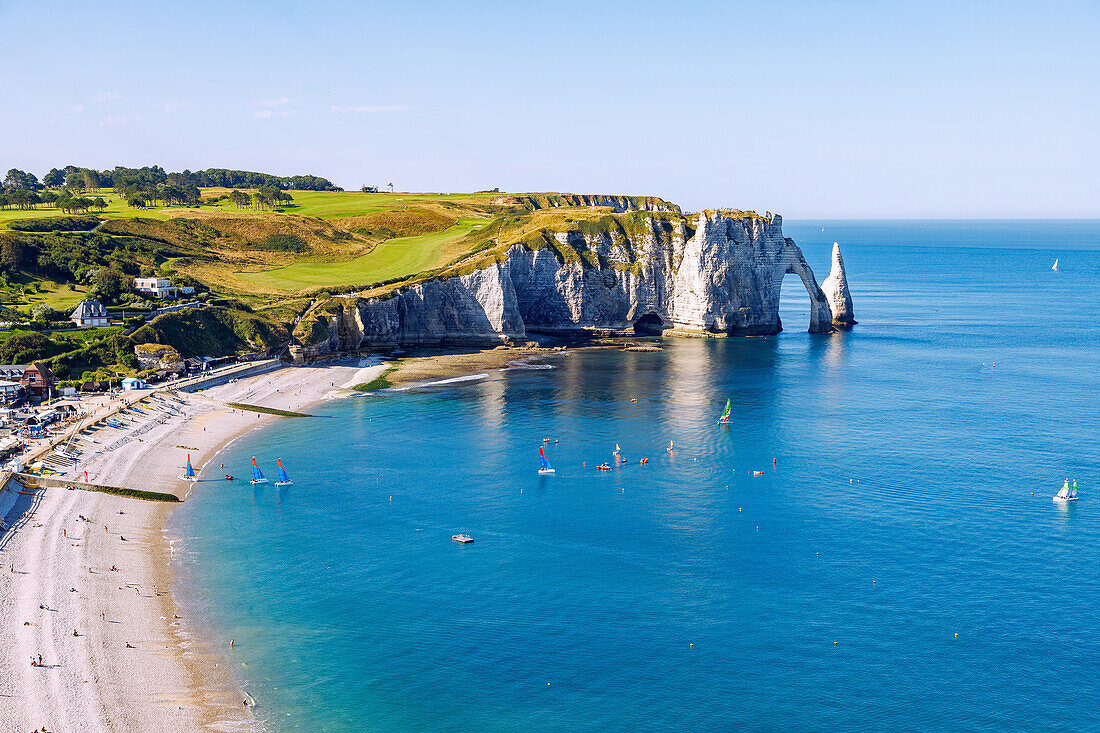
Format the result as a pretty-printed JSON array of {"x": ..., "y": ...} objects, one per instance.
[{"x": 1055, "y": 267}]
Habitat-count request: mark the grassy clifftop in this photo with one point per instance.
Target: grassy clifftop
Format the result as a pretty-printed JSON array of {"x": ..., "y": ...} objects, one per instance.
[{"x": 270, "y": 267}]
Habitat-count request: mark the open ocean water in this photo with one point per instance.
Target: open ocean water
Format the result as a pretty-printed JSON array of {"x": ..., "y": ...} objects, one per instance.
[{"x": 910, "y": 501}]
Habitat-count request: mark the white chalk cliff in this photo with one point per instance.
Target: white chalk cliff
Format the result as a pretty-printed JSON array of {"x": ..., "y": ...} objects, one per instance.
[{"x": 723, "y": 276}]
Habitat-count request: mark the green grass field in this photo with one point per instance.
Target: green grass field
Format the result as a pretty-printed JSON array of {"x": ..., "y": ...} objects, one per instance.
[
  {"x": 115, "y": 210},
  {"x": 322, "y": 204},
  {"x": 330, "y": 205},
  {"x": 390, "y": 259}
]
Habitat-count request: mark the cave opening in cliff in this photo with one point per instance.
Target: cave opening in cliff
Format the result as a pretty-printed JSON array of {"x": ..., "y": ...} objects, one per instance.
[{"x": 649, "y": 325}]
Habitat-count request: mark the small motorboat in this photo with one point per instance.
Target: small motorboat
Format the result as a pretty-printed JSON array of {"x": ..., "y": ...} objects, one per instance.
[
  {"x": 757, "y": 473},
  {"x": 228, "y": 477},
  {"x": 1067, "y": 492},
  {"x": 603, "y": 467},
  {"x": 462, "y": 538}
]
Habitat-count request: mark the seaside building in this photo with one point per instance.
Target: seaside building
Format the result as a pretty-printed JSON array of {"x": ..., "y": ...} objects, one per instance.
[
  {"x": 161, "y": 287},
  {"x": 38, "y": 381},
  {"x": 33, "y": 381},
  {"x": 90, "y": 314},
  {"x": 10, "y": 392},
  {"x": 132, "y": 383},
  {"x": 158, "y": 287}
]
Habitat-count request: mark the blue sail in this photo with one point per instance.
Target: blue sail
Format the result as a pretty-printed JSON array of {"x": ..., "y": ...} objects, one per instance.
[
  {"x": 190, "y": 470},
  {"x": 283, "y": 478},
  {"x": 257, "y": 474},
  {"x": 543, "y": 463}
]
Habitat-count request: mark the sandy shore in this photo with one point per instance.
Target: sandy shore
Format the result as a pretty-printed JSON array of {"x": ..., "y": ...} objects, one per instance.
[
  {"x": 137, "y": 663},
  {"x": 134, "y": 664}
]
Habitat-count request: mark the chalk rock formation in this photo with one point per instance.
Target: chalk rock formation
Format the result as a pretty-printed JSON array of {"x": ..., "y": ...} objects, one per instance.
[
  {"x": 835, "y": 288},
  {"x": 722, "y": 276},
  {"x": 730, "y": 276}
]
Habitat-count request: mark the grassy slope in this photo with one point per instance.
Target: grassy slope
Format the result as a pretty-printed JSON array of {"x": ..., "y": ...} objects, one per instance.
[{"x": 392, "y": 258}]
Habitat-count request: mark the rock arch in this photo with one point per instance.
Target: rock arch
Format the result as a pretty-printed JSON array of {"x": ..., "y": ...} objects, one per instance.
[{"x": 791, "y": 262}]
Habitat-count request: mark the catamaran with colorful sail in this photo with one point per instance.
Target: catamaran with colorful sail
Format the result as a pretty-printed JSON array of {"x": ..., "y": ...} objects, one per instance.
[
  {"x": 1067, "y": 492},
  {"x": 724, "y": 420},
  {"x": 544, "y": 465},
  {"x": 190, "y": 473},
  {"x": 284, "y": 480},
  {"x": 257, "y": 474}
]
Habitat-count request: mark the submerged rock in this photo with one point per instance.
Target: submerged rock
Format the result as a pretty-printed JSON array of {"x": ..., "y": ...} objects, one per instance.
[
  {"x": 835, "y": 288},
  {"x": 722, "y": 277}
]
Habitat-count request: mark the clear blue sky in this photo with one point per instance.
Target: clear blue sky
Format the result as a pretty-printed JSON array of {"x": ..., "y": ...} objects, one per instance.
[{"x": 811, "y": 109}]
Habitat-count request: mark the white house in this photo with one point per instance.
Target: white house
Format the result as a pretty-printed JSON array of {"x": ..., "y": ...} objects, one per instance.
[
  {"x": 89, "y": 314},
  {"x": 131, "y": 383},
  {"x": 158, "y": 287}
]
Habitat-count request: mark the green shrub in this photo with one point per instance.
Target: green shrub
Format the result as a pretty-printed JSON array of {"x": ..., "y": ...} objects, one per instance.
[
  {"x": 56, "y": 224},
  {"x": 281, "y": 243}
]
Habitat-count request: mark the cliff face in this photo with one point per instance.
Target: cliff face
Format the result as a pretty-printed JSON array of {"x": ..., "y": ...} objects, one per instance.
[
  {"x": 722, "y": 277},
  {"x": 619, "y": 204}
]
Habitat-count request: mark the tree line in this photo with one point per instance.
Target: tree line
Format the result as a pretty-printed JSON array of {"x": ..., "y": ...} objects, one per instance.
[
  {"x": 120, "y": 178},
  {"x": 139, "y": 187}
]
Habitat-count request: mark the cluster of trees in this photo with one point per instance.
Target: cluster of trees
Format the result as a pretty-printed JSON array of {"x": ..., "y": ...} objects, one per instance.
[
  {"x": 106, "y": 265},
  {"x": 266, "y": 197},
  {"x": 28, "y": 199},
  {"x": 143, "y": 194}
]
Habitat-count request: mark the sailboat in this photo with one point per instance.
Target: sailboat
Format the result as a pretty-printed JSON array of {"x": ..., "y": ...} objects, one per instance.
[
  {"x": 190, "y": 474},
  {"x": 1055, "y": 267},
  {"x": 67, "y": 451},
  {"x": 1067, "y": 493},
  {"x": 724, "y": 420},
  {"x": 257, "y": 474},
  {"x": 544, "y": 465},
  {"x": 284, "y": 480}
]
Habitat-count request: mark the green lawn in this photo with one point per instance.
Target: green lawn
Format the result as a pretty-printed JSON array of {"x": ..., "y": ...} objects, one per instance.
[
  {"x": 117, "y": 209},
  {"x": 54, "y": 294},
  {"x": 390, "y": 259},
  {"x": 328, "y": 205},
  {"x": 323, "y": 204}
]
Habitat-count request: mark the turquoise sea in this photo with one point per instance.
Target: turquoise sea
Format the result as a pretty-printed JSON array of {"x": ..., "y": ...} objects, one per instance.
[{"x": 910, "y": 501}]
